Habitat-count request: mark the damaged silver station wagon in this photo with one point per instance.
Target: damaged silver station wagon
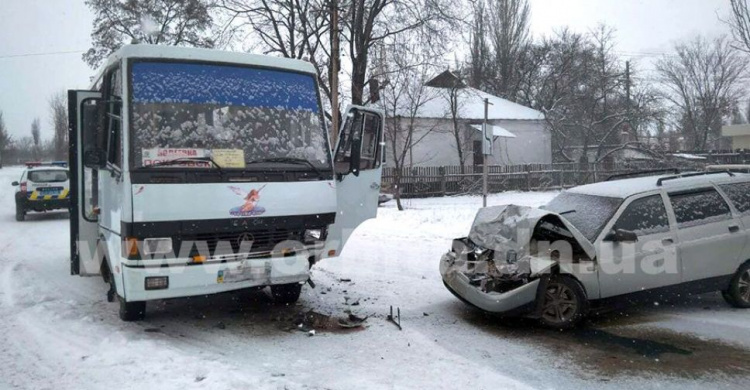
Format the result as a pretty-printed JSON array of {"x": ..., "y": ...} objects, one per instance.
[{"x": 596, "y": 246}]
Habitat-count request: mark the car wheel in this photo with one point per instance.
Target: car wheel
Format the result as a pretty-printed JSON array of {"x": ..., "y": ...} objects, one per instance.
[
  {"x": 20, "y": 213},
  {"x": 565, "y": 303},
  {"x": 738, "y": 294},
  {"x": 132, "y": 311},
  {"x": 286, "y": 293}
]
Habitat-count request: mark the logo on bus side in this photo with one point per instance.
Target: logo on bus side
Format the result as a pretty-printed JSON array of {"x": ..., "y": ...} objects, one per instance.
[{"x": 250, "y": 208}]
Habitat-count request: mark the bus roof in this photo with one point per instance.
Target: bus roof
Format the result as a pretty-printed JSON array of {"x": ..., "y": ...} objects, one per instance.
[{"x": 209, "y": 55}]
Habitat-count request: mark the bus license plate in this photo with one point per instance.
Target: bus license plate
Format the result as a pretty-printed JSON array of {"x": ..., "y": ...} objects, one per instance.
[{"x": 243, "y": 272}]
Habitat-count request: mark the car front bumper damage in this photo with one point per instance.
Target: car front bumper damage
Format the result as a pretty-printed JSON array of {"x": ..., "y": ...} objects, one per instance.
[{"x": 515, "y": 300}]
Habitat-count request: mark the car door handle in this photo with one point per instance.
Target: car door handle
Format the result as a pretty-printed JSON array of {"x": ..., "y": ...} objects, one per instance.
[
  {"x": 734, "y": 229},
  {"x": 667, "y": 241}
]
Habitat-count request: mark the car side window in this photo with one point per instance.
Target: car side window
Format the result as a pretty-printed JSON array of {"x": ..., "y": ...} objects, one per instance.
[
  {"x": 699, "y": 207},
  {"x": 739, "y": 194},
  {"x": 644, "y": 216}
]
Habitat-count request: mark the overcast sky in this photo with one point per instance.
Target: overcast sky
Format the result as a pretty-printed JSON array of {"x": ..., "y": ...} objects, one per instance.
[{"x": 645, "y": 28}]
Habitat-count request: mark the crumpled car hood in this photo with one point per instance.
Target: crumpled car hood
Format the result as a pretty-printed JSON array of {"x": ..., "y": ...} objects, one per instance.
[{"x": 510, "y": 227}]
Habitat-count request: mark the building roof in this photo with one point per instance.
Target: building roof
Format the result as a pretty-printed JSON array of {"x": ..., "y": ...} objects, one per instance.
[
  {"x": 627, "y": 187},
  {"x": 470, "y": 106},
  {"x": 446, "y": 80}
]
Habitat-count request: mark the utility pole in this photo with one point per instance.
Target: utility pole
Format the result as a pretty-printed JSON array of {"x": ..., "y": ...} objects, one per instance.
[
  {"x": 485, "y": 152},
  {"x": 334, "y": 71},
  {"x": 627, "y": 95}
]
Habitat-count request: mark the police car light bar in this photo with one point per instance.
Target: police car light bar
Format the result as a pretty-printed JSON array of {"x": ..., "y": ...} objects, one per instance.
[{"x": 32, "y": 164}]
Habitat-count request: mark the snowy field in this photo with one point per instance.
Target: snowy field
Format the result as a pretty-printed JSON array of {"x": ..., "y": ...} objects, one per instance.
[{"x": 58, "y": 332}]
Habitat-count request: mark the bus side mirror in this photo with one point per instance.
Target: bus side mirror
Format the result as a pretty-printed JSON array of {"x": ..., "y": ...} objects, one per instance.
[
  {"x": 95, "y": 159},
  {"x": 15, "y": 183}
]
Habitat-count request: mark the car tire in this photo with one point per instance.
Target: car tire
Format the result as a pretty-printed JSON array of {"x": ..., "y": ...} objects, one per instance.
[
  {"x": 286, "y": 293},
  {"x": 132, "y": 311},
  {"x": 564, "y": 304},
  {"x": 738, "y": 294},
  {"x": 20, "y": 213}
]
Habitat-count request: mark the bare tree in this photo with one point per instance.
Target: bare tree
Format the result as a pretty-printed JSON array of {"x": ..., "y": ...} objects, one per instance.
[
  {"x": 703, "y": 82},
  {"x": 59, "y": 121},
  {"x": 158, "y": 22},
  {"x": 500, "y": 37},
  {"x": 368, "y": 23},
  {"x": 739, "y": 23},
  {"x": 36, "y": 138},
  {"x": 5, "y": 138},
  {"x": 591, "y": 102},
  {"x": 455, "y": 103},
  {"x": 403, "y": 97}
]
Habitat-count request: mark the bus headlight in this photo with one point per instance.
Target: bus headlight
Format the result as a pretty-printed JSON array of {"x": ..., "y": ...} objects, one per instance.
[
  {"x": 157, "y": 246},
  {"x": 312, "y": 235}
]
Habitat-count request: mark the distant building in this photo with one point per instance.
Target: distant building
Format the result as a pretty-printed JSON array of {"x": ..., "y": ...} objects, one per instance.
[
  {"x": 520, "y": 133},
  {"x": 739, "y": 134}
]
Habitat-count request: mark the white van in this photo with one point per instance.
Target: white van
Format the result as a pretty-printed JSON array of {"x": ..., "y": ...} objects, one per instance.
[{"x": 599, "y": 245}]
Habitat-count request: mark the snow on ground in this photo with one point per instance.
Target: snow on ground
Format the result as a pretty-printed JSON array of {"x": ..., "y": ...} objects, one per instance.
[{"x": 57, "y": 331}]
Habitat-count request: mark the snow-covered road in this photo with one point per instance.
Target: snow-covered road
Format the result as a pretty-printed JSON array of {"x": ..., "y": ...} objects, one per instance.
[{"x": 58, "y": 332}]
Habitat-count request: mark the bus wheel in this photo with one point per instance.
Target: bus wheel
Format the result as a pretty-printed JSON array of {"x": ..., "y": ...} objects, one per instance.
[
  {"x": 286, "y": 293},
  {"x": 132, "y": 311}
]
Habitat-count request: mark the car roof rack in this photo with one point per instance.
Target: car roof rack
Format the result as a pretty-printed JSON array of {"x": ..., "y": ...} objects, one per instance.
[
  {"x": 626, "y": 175},
  {"x": 691, "y": 174}
]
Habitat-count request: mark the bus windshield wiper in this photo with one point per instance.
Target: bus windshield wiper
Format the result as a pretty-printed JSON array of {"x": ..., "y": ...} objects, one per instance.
[
  {"x": 287, "y": 160},
  {"x": 188, "y": 159}
]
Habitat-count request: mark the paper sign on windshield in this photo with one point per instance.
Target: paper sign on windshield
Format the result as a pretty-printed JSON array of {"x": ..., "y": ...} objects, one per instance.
[
  {"x": 158, "y": 155},
  {"x": 229, "y": 158}
]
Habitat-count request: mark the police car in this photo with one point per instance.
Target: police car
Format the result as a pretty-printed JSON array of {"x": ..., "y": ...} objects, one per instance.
[{"x": 42, "y": 187}]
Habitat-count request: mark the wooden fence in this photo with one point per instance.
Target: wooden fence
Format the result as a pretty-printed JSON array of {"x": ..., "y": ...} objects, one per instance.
[{"x": 451, "y": 180}]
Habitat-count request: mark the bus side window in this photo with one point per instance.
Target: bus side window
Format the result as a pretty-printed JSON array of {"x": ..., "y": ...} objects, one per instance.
[
  {"x": 114, "y": 117},
  {"x": 369, "y": 157}
]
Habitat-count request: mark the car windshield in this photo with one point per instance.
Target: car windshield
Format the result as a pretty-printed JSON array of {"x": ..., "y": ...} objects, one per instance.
[
  {"x": 588, "y": 213},
  {"x": 229, "y": 113},
  {"x": 48, "y": 176}
]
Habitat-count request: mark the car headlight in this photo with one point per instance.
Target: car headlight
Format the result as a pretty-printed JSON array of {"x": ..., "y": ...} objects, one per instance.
[
  {"x": 511, "y": 257},
  {"x": 478, "y": 253},
  {"x": 157, "y": 246}
]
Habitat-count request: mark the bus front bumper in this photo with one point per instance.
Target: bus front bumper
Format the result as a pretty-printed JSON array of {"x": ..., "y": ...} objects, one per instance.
[{"x": 211, "y": 278}]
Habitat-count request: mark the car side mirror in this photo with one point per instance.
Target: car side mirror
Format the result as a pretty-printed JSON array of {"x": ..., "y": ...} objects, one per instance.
[
  {"x": 621, "y": 235},
  {"x": 95, "y": 159},
  {"x": 15, "y": 183}
]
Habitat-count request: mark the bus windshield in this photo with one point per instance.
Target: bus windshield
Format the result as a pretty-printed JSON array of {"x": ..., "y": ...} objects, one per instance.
[{"x": 233, "y": 115}]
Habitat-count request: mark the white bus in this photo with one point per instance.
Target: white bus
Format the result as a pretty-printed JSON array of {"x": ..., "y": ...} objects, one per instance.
[{"x": 198, "y": 171}]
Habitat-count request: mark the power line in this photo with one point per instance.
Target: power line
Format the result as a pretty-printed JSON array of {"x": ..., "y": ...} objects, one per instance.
[{"x": 51, "y": 53}]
